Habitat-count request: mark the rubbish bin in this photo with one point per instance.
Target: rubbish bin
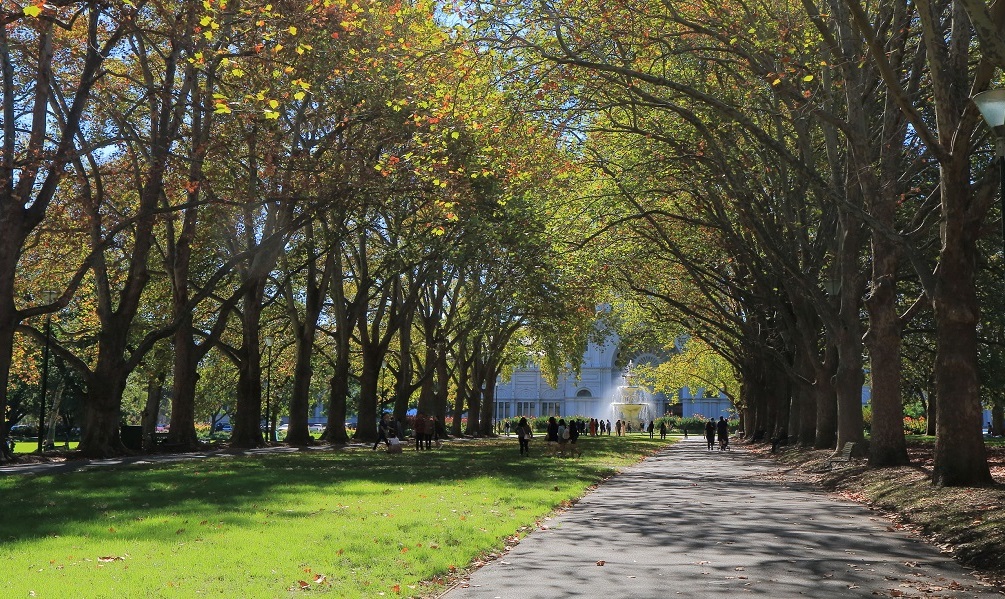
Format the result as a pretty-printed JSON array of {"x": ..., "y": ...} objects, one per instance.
[{"x": 132, "y": 437}]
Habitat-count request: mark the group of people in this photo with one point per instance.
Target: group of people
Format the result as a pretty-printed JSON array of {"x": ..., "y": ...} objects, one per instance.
[
  {"x": 391, "y": 432},
  {"x": 718, "y": 429},
  {"x": 564, "y": 434}
]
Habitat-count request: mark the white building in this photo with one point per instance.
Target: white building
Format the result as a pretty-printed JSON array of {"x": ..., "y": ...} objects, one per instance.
[{"x": 594, "y": 390}]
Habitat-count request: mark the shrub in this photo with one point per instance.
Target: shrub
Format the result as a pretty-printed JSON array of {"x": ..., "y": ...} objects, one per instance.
[{"x": 915, "y": 426}]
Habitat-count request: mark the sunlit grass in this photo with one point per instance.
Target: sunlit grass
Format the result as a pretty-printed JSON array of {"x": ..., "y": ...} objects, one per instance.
[
  {"x": 31, "y": 446},
  {"x": 351, "y": 523}
]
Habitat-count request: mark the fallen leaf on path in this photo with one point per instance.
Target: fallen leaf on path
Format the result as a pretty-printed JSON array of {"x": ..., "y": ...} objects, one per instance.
[{"x": 601, "y": 562}]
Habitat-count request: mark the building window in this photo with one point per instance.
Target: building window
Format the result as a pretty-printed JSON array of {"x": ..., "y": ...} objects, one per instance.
[
  {"x": 584, "y": 393},
  {"x": 503, "y": 410},
  {"x": 551, "y": 408},
  {"x": 526, "y": 408}
]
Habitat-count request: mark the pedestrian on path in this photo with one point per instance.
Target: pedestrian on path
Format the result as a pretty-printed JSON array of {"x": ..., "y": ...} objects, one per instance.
[
  {"x": 722, "y": 430},
  {"x": 710, "y": 434},
  {"x": 524, "y": 434},
  {"x": 420, "y": 430},
  {"x": 431, "y": 433},
  {"x": 663, "y": 430},
  {"x": 382, "y": 428},
  {"x": 651, "y": 428}
]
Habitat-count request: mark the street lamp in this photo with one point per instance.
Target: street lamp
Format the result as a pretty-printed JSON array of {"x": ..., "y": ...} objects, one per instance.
[
  {"x": 269, "y": 425},
  {"x": 991, "y": 103},
  {"x": 48, "y": 296}
]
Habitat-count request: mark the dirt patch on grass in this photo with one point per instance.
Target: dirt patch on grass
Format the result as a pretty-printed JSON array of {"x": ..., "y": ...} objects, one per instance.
[{"x": 969, "y": 523}]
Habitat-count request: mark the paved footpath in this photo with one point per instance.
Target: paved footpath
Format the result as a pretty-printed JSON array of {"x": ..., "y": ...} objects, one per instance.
[{"x": 693, "y": 523}]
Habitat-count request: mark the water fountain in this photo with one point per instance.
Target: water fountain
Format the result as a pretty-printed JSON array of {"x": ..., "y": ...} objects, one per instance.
[{"x": 632, "y": 403}]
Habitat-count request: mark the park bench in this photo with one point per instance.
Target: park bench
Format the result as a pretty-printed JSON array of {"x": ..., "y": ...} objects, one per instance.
[{"x": 843, "y": 457}]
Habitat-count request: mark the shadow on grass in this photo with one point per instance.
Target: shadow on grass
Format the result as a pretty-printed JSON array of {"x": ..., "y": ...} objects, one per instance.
[{"x": 241, "y": 488}]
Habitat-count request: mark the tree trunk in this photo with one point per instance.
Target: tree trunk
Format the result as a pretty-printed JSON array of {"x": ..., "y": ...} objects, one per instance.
[
  {"x": 299, "y": 433},
  {"x": 57, "y": 400},
  {"x": 186, "y": 375},
  {"x": 960, "y": 456},
  {"x": 155, "y": 389},
  {"x": 247, "y": 431},
  {"x": 10, "y": 244},
  {"x": 462, "y": 391},
  {"x": 826, "y": 403},
  {"x": 366, "y": 429},
  {"x": 442, "y": 391},
  {"x": 338, "y": 396},
  {"x": 102, "y": 414},
  {"x": 998, "y": 419},
  {"x": 887, "y": 446},
  {"x": 488, "y": 403}
]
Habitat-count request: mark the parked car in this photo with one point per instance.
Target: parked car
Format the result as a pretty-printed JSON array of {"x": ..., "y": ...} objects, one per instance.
[{"x": 23, "y": 430}]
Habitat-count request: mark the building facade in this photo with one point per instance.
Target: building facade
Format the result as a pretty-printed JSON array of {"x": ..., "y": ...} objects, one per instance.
[{"x": 595, "y": 389}]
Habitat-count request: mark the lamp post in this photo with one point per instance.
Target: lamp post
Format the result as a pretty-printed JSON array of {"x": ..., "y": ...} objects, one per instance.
[
  {"x": 991, "y": 103},
  {"x": 48, "y": 296},
  {"x": 269, "y": 425}
]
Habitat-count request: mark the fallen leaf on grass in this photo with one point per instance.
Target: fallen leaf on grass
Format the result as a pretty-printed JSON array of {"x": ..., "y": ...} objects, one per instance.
[
  {"x": 320, "y": 578},
  {"x": 111, "y": 558},
  {"x": 601, "y": 562},
  {"x": 303, "y": 584}
]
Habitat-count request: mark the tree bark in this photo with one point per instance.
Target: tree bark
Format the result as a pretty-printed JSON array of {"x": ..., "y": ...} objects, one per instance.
[
  {"x": 960, "y": 455},
  {"x": 826, "y": 402},
  {"x": 151, "y": 410},
  {"x": 247, "y": 431}
]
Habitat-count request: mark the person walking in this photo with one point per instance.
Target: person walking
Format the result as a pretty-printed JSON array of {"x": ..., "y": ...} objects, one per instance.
[
  {"x": 524, "y": 434},
  {"x": 431, "y": 433},
  {"x": 651, "y": 428},
  {"x": 608, "y": 427},
  {"x": 710, "y": 434},
  {"x": 551, "y": 435},
  {"x": 722, "y": 431},
  {"x": 382, "y": 428},
  {"x": 663, "y": 430},
  {"x": 420, "y": 430}
]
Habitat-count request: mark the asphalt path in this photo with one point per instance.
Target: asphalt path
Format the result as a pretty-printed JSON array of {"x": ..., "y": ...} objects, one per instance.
[{"x": 694, "y": 523}]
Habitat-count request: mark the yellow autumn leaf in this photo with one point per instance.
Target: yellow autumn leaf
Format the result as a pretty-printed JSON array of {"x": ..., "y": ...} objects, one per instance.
[
  {"x": 273, "y": 103},
  {"x": 206, "y": 20},
  {"x": 299, "y": 95},
  {"x": 808, "y": 78},
  {"x": 222, "y": 109},
  {"x": 237, "y": 73},
  {"x": 271, "y": 114},
  {"x": 293, "y": 30},
  {"x": 33, "y": 10}
]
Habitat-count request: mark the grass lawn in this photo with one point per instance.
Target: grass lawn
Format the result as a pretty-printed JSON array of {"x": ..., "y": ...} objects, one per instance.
[
  {"x": 346, "y": 523},
  {"x": 31, "y": 445}
]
